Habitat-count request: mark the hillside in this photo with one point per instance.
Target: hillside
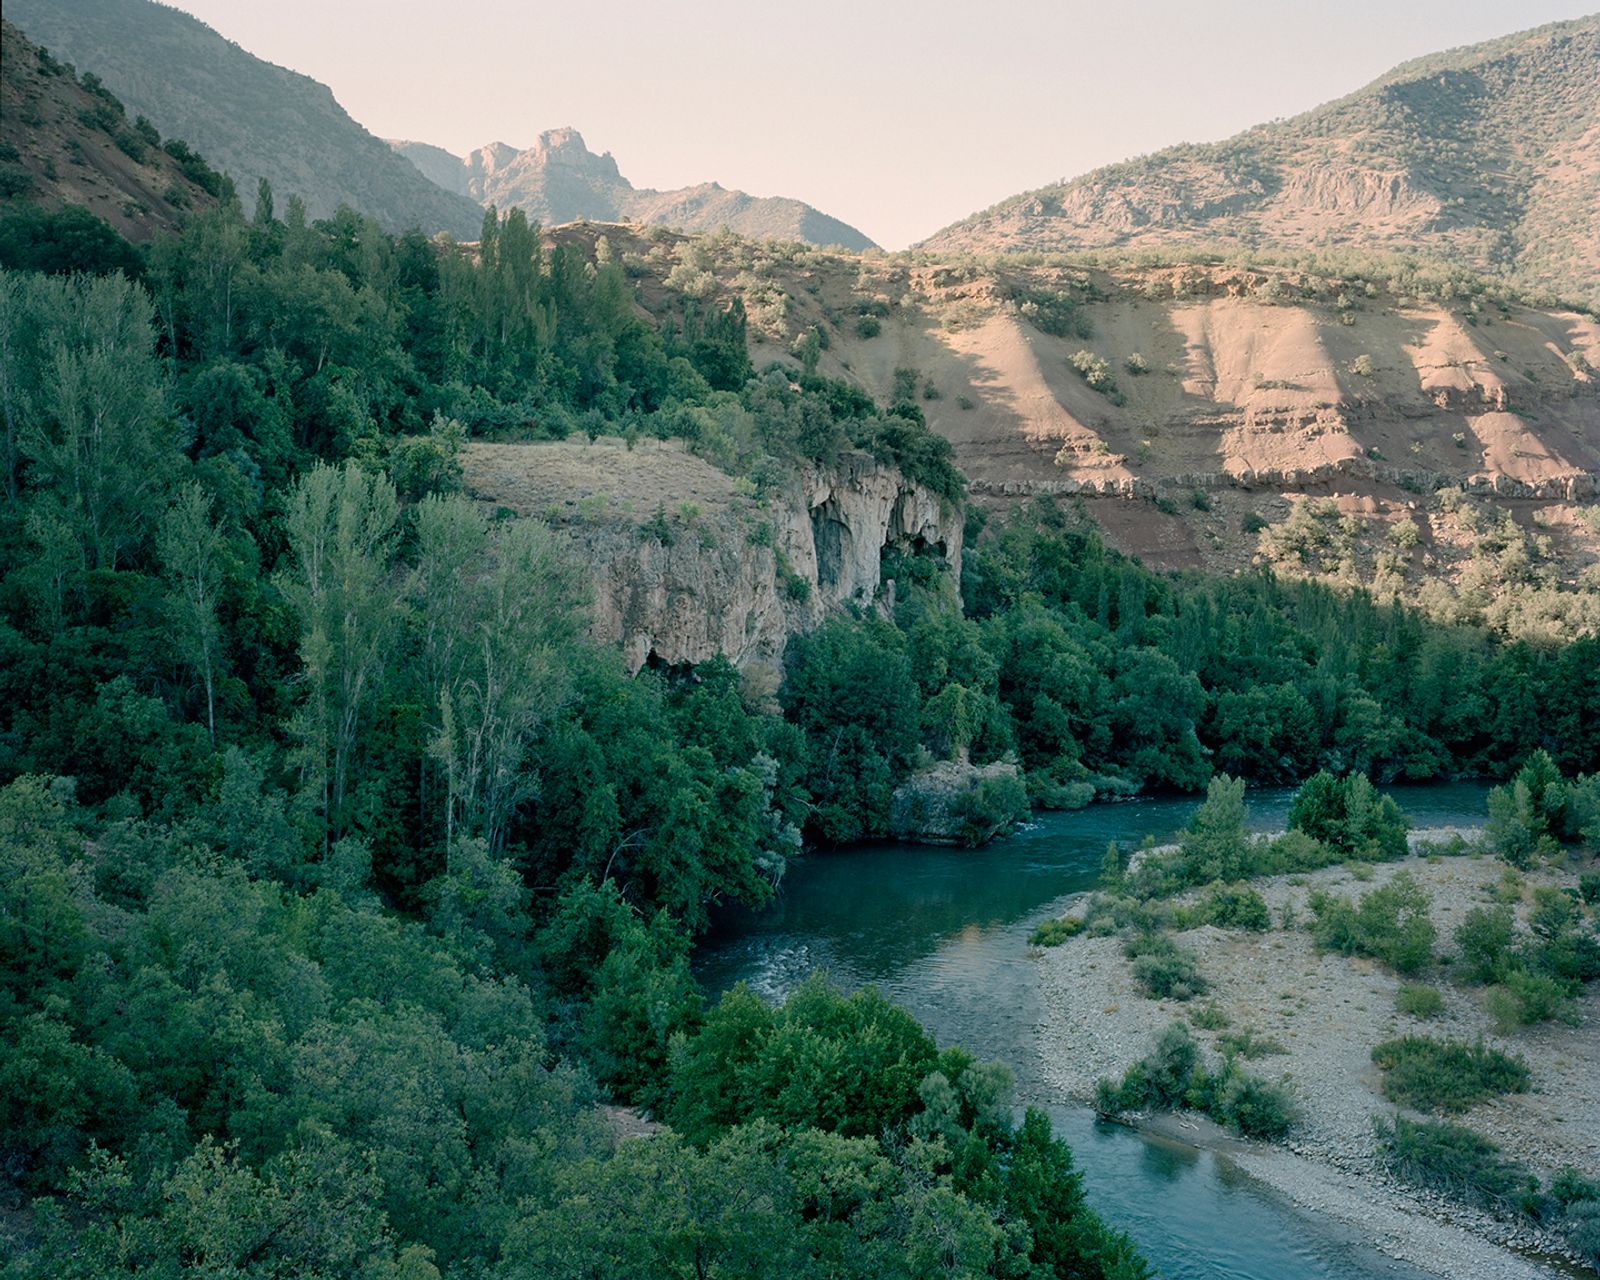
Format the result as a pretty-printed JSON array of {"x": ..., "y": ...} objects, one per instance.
[
  {"x": 63, "y": 142},
  {"x": 250, "y": 118},
  {"x": 1487, "y": 155},
  {"x": 559, "y": 179},
  {"x": 1419, "y": 434}
]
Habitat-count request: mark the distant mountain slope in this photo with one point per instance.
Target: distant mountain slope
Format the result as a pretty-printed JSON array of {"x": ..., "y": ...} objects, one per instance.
[
  {"x": 1418, "y": 431},
  {"x": 559, "y": 179},
  {"x": 62, "y": 143},
  {"x": 248, "y": 117},
  {"x": 1488, "y": 155}
]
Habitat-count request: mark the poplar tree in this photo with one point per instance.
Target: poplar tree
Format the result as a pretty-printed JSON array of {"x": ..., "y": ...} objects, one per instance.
[{"x": 341, "y": 530}]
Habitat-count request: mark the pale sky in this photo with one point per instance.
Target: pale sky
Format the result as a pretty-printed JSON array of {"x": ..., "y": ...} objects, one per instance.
[{"x": 898, "y": 116}]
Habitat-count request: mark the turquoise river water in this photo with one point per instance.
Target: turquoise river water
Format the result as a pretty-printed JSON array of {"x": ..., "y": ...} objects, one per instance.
[{"x": 944, "y": 933}]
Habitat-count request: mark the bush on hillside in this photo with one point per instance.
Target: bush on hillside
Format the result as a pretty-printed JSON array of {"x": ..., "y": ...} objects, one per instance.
[
  {"x": 1446, "y": 1075},
  {"x": 1390, "y": 923}
]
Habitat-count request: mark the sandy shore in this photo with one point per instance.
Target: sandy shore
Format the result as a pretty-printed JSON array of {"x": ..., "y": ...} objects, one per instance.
[{"x": 1329, "y": 1011}]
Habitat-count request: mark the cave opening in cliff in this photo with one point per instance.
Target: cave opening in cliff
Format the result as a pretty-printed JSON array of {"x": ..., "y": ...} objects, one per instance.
[{"x": 830, "y": 535}]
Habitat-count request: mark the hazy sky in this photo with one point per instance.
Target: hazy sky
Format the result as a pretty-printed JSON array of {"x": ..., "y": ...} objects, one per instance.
[{"x": 899, "y": 116}]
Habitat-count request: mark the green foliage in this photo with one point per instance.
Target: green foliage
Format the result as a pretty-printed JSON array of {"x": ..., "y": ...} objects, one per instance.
[
  {"x": 1209, "y": 1018},
  {"x": 1452, "y": 1159},
  {"x": 1096, "y": 371},
  {"x": 1446, "y": 1075},
  {"x": 860, "y": 1109},
  {"x": 1164, "y": 969},
  {"x": 1175, "y": 1076},
  {"x": 1483, "y": 939},
  {"x": 1247, "y": 1044},
  {"x": 1123, "y": 674},
  {"x": 1390, "y": 923},
  {"x": 1523, "y": 998},
  {"x": 1233, "y": 907},
  {"x": 1416, "y": 1000},
  {"x": 62, "y": 241},
  {"x": 1056, "y": 312},
  {"x": 1214, "y": 845},
  {"x": 849, "y": 689},
  {"x": 1052, "y": 933},
  {"x": 823, "y": 1060},
  {"x": 1527, "y": 817},
  {"x": 1350, "y": 816}
]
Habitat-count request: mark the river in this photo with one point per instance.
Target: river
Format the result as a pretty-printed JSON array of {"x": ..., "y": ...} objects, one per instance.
[{"x": 944, "y": 933}]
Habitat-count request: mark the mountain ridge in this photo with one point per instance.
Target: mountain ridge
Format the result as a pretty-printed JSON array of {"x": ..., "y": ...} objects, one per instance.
[
  {"x": 251, "y": 118},
  {"x": 559, "y": 179},
  {"x": 1487, "y": 155},
  {"x": 65, "y": 142}
]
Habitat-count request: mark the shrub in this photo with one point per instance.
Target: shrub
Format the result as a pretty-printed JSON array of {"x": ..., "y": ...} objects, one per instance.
[
  {"x": 1054, "y": 312},
  {"x": 1390, "y": 924},
  {"x": 1581, "y": 1226},
  {"x": 1252, "y": 522},
  {"x": 1210, "y": 1018},
  {"x": 1174, "y": 1076},
  {"x": 1160, "y": 1081},
  {"x": 1450, "y": 1158},
  {"x": 868, "y": 327},
  {"x": 1247, "y": 1044},
  {"x": 1254, "y": 1107},
  {"x": 1418, "y": 1001},
  {"x": 796, "y": 586},
  {"x": 1052, "y": 933},
  {"x": 1589, "y": 887},
  {"x": 1362, "y": 366},
  {"x": 1214, "y": 845},
  {"x": 658, "y": 528},
  {"x": 1136, "y": 364},
  {"x": 1235, "y": 907},
  {"x": 1446, "y": 1075},
  {"x": 1484, "y": 940},
  {"x": 1524, "y": 998},
  {"x": 1165, "y": 970},
  {"x": 1528, "y": 817},
  {"x": 1200, "y": 500},
  {"x": 1097, "y": 373}
]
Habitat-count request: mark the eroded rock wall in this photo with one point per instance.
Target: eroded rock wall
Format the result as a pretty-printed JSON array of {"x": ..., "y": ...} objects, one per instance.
[{"x": 712, "y": 571}]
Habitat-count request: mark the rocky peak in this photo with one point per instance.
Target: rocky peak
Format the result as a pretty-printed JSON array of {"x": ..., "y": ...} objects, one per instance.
[{"x": 565, "y": 146}]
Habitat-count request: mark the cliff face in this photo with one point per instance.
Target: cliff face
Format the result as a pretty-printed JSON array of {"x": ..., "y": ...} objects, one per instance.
[{"x": 686, "y": 565}]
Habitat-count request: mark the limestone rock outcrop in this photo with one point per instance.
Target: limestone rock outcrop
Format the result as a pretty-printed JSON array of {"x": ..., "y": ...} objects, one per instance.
[
  {"x": 958, "y": 803},
  {"x": 685, "y": 564}
]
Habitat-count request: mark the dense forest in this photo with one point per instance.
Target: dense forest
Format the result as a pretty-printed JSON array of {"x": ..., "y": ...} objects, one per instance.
[{"x": 344, "y": 875}]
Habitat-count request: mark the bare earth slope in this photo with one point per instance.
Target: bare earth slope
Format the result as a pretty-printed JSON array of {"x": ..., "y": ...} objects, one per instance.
[
  {"x": 1488, "y": 155},
  {"x": 1413, "y": 433},
  {"x": 559, "y": 179},
  {"x": 68, "y": 146},
  {"x": 248, "y": 117}
]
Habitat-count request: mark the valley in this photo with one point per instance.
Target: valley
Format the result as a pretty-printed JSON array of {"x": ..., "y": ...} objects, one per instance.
[{"x": 549, "y": 728}]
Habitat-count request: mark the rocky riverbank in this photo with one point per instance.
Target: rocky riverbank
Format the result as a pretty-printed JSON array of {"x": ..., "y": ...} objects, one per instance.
[{"x": 1328, "y": 1011}]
